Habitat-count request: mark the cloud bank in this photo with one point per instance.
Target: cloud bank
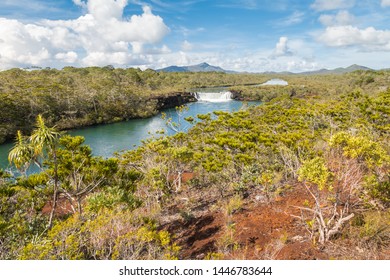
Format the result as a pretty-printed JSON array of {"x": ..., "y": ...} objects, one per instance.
[
  {"x": 369, "y": 39},
  {"x": 100, "y": 37}
]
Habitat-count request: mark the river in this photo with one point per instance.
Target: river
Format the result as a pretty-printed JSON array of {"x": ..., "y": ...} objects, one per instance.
[{"x": 107, "y": 139}]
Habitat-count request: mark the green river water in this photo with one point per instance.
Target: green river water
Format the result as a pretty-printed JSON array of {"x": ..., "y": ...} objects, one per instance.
[{"x": 107, "y": 139}]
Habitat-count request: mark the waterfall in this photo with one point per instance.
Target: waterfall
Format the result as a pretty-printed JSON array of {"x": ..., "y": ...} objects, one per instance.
[{"x": 222, "y": 96}]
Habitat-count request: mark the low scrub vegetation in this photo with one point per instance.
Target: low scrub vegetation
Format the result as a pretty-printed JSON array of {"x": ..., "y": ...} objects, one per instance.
[{"x": 329, "y": 144}]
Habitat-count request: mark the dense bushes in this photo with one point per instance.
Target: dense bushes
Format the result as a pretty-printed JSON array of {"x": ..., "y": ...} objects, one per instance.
[
  {"x": 335, "y": 149},
  {"x": 332, "y": 146},
  {"x": 112, "y": 234},
  {"x": 75, "y": 97}
]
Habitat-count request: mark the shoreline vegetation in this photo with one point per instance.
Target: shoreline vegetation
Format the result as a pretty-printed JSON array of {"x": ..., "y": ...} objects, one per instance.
[
  {"x": 78, "y": 97},
  {"x": 303, "y": 176}
]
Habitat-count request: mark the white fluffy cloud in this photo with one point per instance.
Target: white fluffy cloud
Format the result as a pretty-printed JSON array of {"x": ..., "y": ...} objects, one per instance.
[
  {"x": 327, "y": 5},
  {"x": 281, "y": 48},
  {"x": 368, "y": 39},
  {"x": 68, "y": 57},
  {"x": 100, "y": 10},
  {"x": 341, "y": 18},
  {"x": 385, "y": 3},
  {"x": 101, "y": 36}
]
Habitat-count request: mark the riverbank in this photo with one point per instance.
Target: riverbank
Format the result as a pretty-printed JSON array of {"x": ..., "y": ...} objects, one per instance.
[
  {"x": 106, "y": 139},
  {"x": 79, "y": 97},
  {"x": 141, "y": 109}
]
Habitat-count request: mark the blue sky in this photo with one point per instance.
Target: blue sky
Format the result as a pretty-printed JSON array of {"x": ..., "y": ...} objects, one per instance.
[{"x": 242, "y": 35}]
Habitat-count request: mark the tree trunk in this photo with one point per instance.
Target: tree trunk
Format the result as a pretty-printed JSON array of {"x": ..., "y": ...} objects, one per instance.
[
  {"x": 54, "y": 205},
  {"x": 79, "y": 205},
  {"x": 55, "y": 195}
]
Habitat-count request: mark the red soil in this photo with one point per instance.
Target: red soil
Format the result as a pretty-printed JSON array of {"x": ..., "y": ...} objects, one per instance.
[
  {"x": 261, "y": 231},
  {"x": 63, "y": 207}
]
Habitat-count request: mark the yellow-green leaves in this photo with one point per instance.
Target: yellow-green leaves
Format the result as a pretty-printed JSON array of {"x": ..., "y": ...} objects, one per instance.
[
  {"x": 113, "y": 234},
  {"x": 360, "y": 147},
  {"x": 315, "y": 171},
  {"x": 43, "y": 136},
  {"x": 22, "y": 153}
]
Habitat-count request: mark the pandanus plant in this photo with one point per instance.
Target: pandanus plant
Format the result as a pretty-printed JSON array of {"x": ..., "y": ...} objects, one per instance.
[
  {"x": 21, "y": 155},
  {"x": 40, "y": 146}
]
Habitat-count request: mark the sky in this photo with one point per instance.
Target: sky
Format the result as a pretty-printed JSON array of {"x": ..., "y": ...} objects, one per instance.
[{"x": 239, "y": 35}]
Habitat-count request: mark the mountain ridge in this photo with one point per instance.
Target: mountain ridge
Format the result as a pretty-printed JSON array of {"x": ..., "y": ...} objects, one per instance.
[
  {"x": 205, "y": 67},
  {"x": 339, "y": 70},
  {"x": 201, "y": 67}
]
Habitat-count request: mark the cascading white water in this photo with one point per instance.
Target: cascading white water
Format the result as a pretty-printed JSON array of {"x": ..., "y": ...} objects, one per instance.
[{"x": 213, "y": 96}]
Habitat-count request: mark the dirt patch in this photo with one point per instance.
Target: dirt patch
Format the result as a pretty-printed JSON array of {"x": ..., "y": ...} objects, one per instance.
[
  {"x": 269, "y": 231},
  {"x": 63, "y": 208},
  {"x": 262, "y": 230},
  {"x": 186, "y": 176},
  {"x": 197, "y": 236}
]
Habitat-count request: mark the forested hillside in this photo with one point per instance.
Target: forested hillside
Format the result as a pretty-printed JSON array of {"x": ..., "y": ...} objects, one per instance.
[
  {"x": 75, "y": 97},
  {"x": 305, "y": 175}
]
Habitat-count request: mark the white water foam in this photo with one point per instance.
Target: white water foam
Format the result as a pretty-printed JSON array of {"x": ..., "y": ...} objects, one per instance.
[{"x": 213, "y": 96}]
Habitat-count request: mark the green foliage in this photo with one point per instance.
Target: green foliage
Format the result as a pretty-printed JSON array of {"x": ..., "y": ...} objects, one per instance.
[
  {"x": 360, "y": 147},
  {"x": 234, "y": 204},
  {"x": 120, "y": 193},
  {"x": 21, "y": 154},
  {"x": 374, "y": 157},
  {"x": 331, "y": 132},
  {"x": 75, "y": 97},
  {"x": 43, "y": 135},
  {"x": 378, "y": 188},
  {"x": 109, "y": 235},
  {"x": 20, "y": 218},
  {"x": 62, "y": 243},
  {"x": 371, "y": 229},
  {"x": 37, "y": 181},
  {"x": 315, "y": 171}
]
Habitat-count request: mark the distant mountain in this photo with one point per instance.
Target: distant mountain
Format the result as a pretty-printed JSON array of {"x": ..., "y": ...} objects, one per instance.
[
  {"x": 203, "y": 67},
  {"x": 339, "y": 70},
  {"x": 173, "y": 69}
]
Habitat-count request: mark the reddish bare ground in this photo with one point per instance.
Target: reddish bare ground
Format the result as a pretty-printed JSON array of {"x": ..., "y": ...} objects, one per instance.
[
  {"x": 262, "y": 230},
  {"x": 268, "y": 231},
  {"x": 187, "y": 176},
  {"x": 63, "y": 207},
  {"x": 196, "y": 237}
]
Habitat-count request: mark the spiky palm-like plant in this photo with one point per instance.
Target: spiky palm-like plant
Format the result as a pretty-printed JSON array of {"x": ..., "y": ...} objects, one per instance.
[{"x": 21, "y": 155}]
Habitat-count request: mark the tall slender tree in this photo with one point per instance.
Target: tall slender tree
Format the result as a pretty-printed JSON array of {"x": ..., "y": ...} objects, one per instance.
[{"x": 44, "y": 141}]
